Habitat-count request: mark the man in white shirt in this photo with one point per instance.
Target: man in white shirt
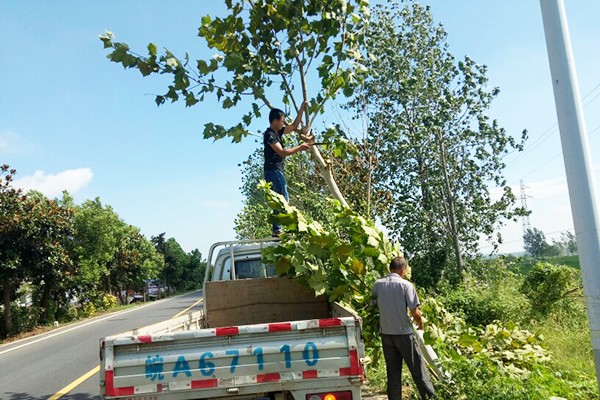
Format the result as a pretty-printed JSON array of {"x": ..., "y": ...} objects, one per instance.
[{"x": 394, "y": 295}]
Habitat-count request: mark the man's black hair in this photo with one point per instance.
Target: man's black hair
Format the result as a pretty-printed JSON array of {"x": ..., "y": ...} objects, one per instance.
[
  {"x": 275, "y": 113},
  {"x": 398, "y": 263}
]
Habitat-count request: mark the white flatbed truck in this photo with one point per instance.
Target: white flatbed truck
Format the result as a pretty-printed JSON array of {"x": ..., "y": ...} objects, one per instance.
[{"x": 258, "y": 336}]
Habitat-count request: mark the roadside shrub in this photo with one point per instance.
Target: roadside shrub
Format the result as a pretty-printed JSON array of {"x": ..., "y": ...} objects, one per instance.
[
  {"x": 482, "y": 305},
  {"x": 67, "y": 314},
  {"x": 478, "y": 378},
  {"x": 498, "y": 361},
  {"x": 108, "y": 301},
  {"x": 489, "y": 292},
  {"x": 546, "y": 285},
  {"x": 88, "y": 309},
  {"x": 24, "y": 318}
]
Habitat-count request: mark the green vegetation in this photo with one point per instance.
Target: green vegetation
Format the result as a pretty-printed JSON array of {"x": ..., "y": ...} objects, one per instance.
[
  {"x": 499, "y": 333},
  {"x": 60, "y": 261},
  {"x": 571, "y": 261}
]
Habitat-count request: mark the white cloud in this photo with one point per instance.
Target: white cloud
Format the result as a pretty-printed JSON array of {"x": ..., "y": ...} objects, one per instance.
[
  {"x": 13, "y": 143},
  {"x": 50, "y": 185}
]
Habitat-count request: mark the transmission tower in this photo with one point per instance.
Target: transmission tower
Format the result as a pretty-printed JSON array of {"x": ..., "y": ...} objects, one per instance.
[{"x": 524, "y": 196}]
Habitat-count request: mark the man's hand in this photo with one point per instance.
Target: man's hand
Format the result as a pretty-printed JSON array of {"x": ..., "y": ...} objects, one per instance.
[
  {"x": 306, "y": 136},
  {"x": 305, "y": 146},
  {"x": 416, "y": 313}
]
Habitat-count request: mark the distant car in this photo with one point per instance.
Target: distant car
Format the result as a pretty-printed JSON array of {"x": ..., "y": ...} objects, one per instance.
[
  {"x": 137, "y": 298},
  {"x": 155, "y": 291}
]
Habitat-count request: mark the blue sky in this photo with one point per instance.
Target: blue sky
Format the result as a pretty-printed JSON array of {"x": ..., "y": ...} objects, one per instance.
[{"x": 70, "y": 119}]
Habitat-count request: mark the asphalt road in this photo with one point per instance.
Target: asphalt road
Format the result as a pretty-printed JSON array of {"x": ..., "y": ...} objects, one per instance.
[{"x": 41, "y": 367}]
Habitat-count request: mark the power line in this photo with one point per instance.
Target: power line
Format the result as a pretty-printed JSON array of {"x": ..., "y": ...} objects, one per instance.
[
  {"x": 553, "y": 157},
  {"x": 551, "y": 130}
]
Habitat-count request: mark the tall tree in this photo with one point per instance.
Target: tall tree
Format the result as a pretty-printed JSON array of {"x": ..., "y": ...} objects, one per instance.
[
  {"x": 566, "y": 244},
  {"x": 97, "y": 232},
  {"x": 195, "y": 270},
  {"x": 14, "y": 209},
  {"x": 33, "y": 245},
  {"x": 268, "y": 52},
  {"x": 47, "y": 256},
  {"x": 135, "y": 261},
  {"x": 173, "y": 273},
  {"x": 534, "y": 242},
  {"x": 438, "y": 152}
]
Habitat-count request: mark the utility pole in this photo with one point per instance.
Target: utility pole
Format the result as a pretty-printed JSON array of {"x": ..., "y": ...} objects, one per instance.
[{"x": 576, "y": 154}]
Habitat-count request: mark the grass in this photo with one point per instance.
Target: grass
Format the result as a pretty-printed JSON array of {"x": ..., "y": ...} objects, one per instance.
[
  {"x": 524, "y": 264},
  {"x": 570, "y": 344},
  {"x": 571, "y": 351},
  {"x": 571, "y": 261}
]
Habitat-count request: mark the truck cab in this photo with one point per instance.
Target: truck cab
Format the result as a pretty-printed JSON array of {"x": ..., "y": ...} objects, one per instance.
[{"x": 243, "y": 255}]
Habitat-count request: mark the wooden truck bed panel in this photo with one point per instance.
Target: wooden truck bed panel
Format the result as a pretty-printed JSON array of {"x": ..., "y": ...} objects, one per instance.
[{"x": 266, "y": 300}]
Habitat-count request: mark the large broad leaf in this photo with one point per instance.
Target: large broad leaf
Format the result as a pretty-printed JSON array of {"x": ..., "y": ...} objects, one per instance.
[
  {"x": 357, "y": 266},
  {"x": 282, "y": 265},
  {"x": 343, "y": 250},
  {"x": 318, "y": 282}
]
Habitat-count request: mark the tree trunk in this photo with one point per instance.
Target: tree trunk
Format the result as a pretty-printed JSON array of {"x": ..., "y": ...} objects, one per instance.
[
  {"x": 8, "y": 323},
  {"x": 432, "y": 259},
  {"x": 122, "y": 297},
  {"x": 450, "y": 202},
  {"x": 45, "y": 302},
  {"x": 325, "y": 171},
  {"x": 108, "y": 284}
]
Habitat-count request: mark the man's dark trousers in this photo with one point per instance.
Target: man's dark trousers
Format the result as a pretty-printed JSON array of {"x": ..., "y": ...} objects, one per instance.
[{"x": 405, "y": 347}]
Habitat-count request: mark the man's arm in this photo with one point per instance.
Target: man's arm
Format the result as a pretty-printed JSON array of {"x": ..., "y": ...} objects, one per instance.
[
  {"x": 288, "y": 152},
  {"x": 373, "y": 301},
  {"x": 294, "y": 125},
  {"x": 416, "y": 313}
]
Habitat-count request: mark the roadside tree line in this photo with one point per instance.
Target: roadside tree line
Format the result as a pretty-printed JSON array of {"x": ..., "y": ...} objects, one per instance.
[
  {"x": 76, "y": 259},
  {"x": 537, "y": 246}
]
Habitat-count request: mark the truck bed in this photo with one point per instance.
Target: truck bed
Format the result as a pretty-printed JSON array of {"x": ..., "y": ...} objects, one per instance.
[{"x": 252, "y": 301}]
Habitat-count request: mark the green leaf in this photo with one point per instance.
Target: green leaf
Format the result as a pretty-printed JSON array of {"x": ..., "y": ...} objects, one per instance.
[
  {"x": 371, "y": 251},
  {"x": 107, "y": 41},
  {"x": 145, "y": 68},
  {"x": 232, "y": 61},
  {"x": 152, "y": 49},
  {"x": 467, "y": 340},
  {"x": 343, "y": 251},
  {"x": 357, "y": 266},
  {"x": 282, "y": 266},
  {"x": 227, "y": 103},
  {"x": 203, "y": 67},
  {"x": 338, "y": 292},
  {"x": 318, "y": 283},
  {"x": 190, "y": 100}
]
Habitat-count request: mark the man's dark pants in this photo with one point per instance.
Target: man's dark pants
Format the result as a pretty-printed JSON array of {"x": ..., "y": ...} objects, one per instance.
[
  {"x": 405, "y": 347},
  {"x": 276, "y": 177}
]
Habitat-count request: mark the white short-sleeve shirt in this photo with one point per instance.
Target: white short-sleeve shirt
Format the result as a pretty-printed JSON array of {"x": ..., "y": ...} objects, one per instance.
[{"x": 394, "y": 296}]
